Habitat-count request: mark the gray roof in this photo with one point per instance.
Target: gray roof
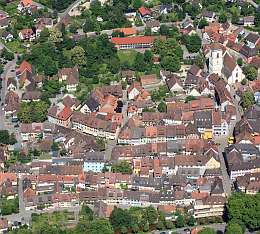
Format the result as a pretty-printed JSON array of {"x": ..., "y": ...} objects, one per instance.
[
  {"x": 203, "y": 119},
  {"x": 94, "y": 157},
  {"x": 252, "y": 37},
  {"x": 247, "y": 149}
]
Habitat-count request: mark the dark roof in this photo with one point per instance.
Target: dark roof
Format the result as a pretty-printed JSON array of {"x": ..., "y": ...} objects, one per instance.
[
  {"x": 252, "y": 37},
  {"x": 247, "y": 51},
  {"x": 5, "y": 34},
  {"x": 203, "y": 119},
  {"x": 194, "y": 70},
  {"x": 94, "y": 157},
  {"x": 92, "y": 104},
  {"x": 208, "y": 14},
  {"x": 217, "y": 187}
]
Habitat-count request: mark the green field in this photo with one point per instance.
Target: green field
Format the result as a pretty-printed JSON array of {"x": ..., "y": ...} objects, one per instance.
[{"x": 127, "y": 57}]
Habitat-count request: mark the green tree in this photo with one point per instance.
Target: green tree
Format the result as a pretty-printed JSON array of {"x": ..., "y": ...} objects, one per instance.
[
  {"x": 171, "y": 63},
  {"x": 146, "y": 227},
  {"x": 151, "y": 215},
  {"x": 44, "y": 35},
  {"x": 35, "y": 111},
  {"x": 222, "y": 17},
  {"x": 202, "y": 23},
  {"x": 120, "y": 218},
  {"x": 244, "y": 82},
  {"x": 200, "y": 61},
  {"x": 164, "y": 30},
  {"x": 190, "y": 98},
  {"x": 193, "y": 43},
  {"x": 243, "y": 209},
  {"x": 247, "y": 99},
  {"x": 139, "y": 63},
  {"x": 240, "y": 62},
  {"x": 6, "y": 138},
  {"x": 86, "y": 212},
  {"x": 148, "y": 56},
  {"x": 89, "y": 25},
  {"x": 169, "y": 224},
  {"x": 8, "y": 207},
  {"x": 100, "y": 226},
  {"x": 160, "y": 225},
  {"x": 7, "y": 55},
  {"x": 123, "y": 167},
  {"x": 51, "y": 88},
  {"x": 1, "y": 68},
  {"x": 55, "y": 35},
  {"x": 76, "y": 55},
  {"x": 233, "y": 228},
  {"x": 207, "y": 231},
  {"x": 191, "y": 221},
  {"x": 257, "y": 19},
  {"x": 250, "y": 72},
  {"x": 180, "y": 221},
  {"x": 162, "y": 107},
  {"x": 136, "y": 4}
]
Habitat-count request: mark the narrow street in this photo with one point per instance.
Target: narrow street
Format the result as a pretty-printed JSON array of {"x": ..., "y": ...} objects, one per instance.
[
  {"x": 112, "y": 143},
  {"x": 223, "y": 143},
  {"x": 9, "y": 71},
  {"x": 24, "y": 216}
]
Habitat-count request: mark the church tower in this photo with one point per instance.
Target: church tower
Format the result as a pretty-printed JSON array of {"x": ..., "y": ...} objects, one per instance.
[{"x": 216, "y": 60}]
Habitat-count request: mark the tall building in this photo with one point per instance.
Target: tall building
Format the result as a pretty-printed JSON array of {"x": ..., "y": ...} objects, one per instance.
[{"x": 216, "y": 61}]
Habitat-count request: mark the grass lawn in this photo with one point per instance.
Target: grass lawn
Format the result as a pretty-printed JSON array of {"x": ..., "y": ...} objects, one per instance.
[
  {"x": 15, "y": 46},
  {"x": 11, "y": 8},
  {"x": 127, "y": 56},
  {"x": 44, "y": 156}
]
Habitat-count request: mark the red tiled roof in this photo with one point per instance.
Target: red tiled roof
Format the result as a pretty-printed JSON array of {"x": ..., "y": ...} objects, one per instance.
[
  {"x": 133, "y": 40},
  {"x": 65, "y": 113},
  {"x": 127, "y": 31},
  {"x": 25, "y": 66},
  {"x": 144, "y": 11},
  {"x": 26, "y": 2}
]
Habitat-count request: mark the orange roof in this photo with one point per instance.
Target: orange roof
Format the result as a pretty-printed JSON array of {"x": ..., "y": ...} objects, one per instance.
[
  {"x": 151, "y": 131},
  {"x": 199, "y": 195},
  {"x": 257, "y": 140},
  {"x": 65, "y": 113},
  {"x": 133, "y": 40},
  {"x": 144, "y": 11},
  {"x": 196, "y": 230},
  {"x": 127, "y": 31},
  {"x": 25, "y": 66},
  {"x": 167, "y": 208},
  {"x": 26, "y": 2},
  {"x": 7, "y": 175}
]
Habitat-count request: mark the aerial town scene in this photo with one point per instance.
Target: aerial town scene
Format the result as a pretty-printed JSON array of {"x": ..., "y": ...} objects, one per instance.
[{"x": 130, "y": 116}]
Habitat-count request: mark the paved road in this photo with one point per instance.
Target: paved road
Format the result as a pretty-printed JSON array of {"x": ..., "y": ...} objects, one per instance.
[
  {"x": 254, "y": 4},
  {"x": 138, "y": 28},
  {"x": 9, "y": 71},
  {"x": 227, "y": 183},
  {"x": 219, "y": 227},
  {"x": 112, "y": 143},
  {"x": 66, "y": 12},
  {"x": 39, "y": 5},
  {"x": 24, "y": 216}
]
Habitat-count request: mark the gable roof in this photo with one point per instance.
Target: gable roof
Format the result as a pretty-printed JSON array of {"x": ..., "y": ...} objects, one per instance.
[
  {"x": 25, "y": 66},
  {"x": 229, "y": 65},
  {"x": 92, "y": 103},
  {"x": 252, "y": 37},
  {"x": 144, "y": 11}
]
